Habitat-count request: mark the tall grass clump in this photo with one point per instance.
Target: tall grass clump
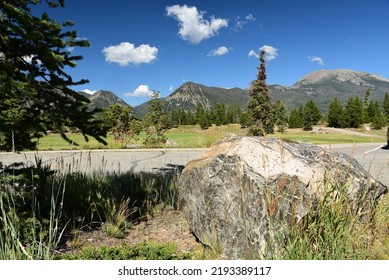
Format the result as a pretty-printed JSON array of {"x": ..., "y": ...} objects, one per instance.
[
  {"x": 39, "y": 206},
  {"x": 336, "y": 229},
  {"x": 25, "y": 232}
]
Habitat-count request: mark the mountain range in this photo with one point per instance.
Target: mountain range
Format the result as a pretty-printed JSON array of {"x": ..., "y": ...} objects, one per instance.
[{"x": 320, "y": 86}]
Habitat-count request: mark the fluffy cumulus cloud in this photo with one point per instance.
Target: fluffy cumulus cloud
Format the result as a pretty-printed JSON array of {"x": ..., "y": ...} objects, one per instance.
[
  {"x": 140, "y": 91},
  {"x": 316, "y": 59},
  {"x": 219, "y": 51},
  {"x": 126, "y": 53},
  {"x": 271, "y": 52},
  {"x": 193, "y": 26}
]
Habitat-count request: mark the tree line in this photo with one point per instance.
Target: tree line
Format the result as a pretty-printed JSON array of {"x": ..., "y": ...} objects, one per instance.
[{"x": 353, "y": 114}]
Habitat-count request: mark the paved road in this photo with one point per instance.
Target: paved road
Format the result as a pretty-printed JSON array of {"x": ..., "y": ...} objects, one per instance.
[
  {"x": 108, "y": 160},
  {"x": 371, "y": 156}
]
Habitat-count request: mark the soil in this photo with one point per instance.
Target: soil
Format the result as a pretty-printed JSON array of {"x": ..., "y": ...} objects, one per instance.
[{"x": 164, "y": 226}]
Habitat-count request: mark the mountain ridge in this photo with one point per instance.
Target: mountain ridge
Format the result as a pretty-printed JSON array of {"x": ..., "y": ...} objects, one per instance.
[
  {"x": 321, "y": 86},
  {"x": 102, "y": 99}
]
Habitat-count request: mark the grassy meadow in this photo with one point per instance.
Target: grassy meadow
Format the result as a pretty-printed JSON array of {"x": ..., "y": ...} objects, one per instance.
[{"x": 192, "y": 136}]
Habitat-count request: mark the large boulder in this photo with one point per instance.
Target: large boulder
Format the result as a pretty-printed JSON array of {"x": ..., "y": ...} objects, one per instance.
[{"x": 239, "y": 193}]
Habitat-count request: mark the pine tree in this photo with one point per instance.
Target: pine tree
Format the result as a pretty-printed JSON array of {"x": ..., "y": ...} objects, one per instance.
[
  {"x": 295, "y": 119},
  {"x": 279, "y": 116},
  {"x": 307, "y": 121},
  {"x": 245, "y": 119},
  {"x": 233, "y": 114},
  {"x": 202, "y": 117},
  {"x": 34, "y": 54},
  {"x": 313, "y": 110},
  {"x": 367, "y": 116},
  {"x": 310, "y": 115},
  {"x": 220, "y": 114},
  {"x": 335, "y": 115},
  {"x": 354, "y": 112},
  {"x": 259, "y": 103},
  {"x": 376, "y": 118},
  {"x": 386, "y": 107}
]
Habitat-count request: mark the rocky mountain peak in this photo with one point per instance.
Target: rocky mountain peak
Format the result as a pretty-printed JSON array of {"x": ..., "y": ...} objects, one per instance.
[{"x": 340, "y": 76}]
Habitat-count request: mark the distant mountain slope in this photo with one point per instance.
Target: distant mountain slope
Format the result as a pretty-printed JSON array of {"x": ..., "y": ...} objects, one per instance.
[
  {"x": 324, "y": 85},
  {"x": 190, "y": 95},
  {"x": 103, "y": 99},
  {"x": 321, "y": 86}
]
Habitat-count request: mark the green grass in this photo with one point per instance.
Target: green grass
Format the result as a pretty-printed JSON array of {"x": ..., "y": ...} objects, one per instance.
[
  {"x": 140, "y": 251},
  {"x": 55, "y": 142},
  {"x": 191, "y": 136},
  {"x": 336, "y": 138}
]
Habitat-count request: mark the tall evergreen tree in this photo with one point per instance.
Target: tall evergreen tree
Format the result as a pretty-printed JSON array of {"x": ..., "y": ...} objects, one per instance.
[
  {"x": 295, "y": 119},
  {"x": 313, "y": 110},
  {"x": 386, "y": 107},
  {"x": 202, "y": 117},
  {"x": 377, "y": 118},
  {"x": 367, "y": 109},
  {"x": 335, "y": 115},
  {"x": 279, "y": 116},
  {"x": 307, "y": 122},
  {"x": 220, "y": 116},
  {"x": 259, "y": 103},
  {"x": 354, "y": 112},
  {"x": 34, "y": 87}
]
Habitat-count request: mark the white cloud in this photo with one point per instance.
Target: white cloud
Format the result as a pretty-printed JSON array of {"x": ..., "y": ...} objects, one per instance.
[
  {"x": 252, "y": 53},
  {"x": 126, "y": 53},
  {"x": 171, "y": 88},
  {"x": 240, "y": 23},
  {"x": 316, "y": 59},
  {"x": 140, "y": 91},
  {"x": 88, "y": 91},
  {"x": 271, "y": 52},
  {"x": 193, "y": 27},
  {"x": 219, "y": 51},
  {"x": 30, "y": 59}
]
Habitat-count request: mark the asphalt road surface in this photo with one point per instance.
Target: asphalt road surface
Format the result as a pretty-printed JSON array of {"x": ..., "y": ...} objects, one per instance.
[{"x": 372, "y": 156}]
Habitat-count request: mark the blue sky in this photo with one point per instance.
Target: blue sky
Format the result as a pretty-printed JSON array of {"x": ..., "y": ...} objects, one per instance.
[{"x": 139, "y": 46}]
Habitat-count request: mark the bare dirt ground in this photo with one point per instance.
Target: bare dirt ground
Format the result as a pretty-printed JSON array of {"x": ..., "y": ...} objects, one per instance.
[{"x": 164, "y": 226}]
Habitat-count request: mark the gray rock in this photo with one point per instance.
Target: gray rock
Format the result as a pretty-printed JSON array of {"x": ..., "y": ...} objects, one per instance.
[
  {"x": 171, "y": 143},
  {"x": 237, "y": 195}
]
